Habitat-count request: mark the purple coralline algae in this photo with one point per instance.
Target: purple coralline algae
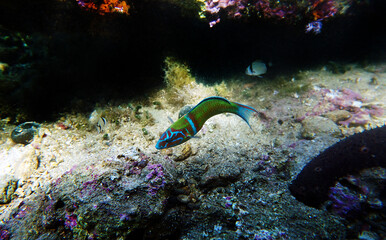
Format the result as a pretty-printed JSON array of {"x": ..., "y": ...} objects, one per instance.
[
  {"x": 156, "y": 178},
  {"x": 359, "y": 199},
  {"x": 71, "y": 220},
  {"x": 241, "y": 8},
  {"x": 313, "y": 11},
  {"x": 228, "y": 201},
  {"x": 315, "y": 27},
  {"x": 275, "y": 10},
  {"x": 90, "y": 202},
  {"x": 349, "y": 156},
  {"x": 4, "y": 233},
  {"x": 232, "y": 7},
  {"x": 342, "y": 203},
  {"x": 345, "y": 99}
]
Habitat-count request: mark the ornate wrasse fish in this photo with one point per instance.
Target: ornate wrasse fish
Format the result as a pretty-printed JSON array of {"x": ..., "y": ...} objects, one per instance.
[{"x": 188, "y": 125}]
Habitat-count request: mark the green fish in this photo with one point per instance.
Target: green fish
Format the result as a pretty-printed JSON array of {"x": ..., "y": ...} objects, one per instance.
[{"x": 191, "y": 123}]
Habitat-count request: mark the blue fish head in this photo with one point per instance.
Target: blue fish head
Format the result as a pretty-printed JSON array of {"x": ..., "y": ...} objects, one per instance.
[
  {"x": 171, "y": 138},
  {"x": 161, "y": 144}
]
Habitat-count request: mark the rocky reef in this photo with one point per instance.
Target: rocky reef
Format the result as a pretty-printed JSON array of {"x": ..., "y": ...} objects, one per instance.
[
  {"x": 74, "y": 181},
  {"x": 87, "y": 87}
]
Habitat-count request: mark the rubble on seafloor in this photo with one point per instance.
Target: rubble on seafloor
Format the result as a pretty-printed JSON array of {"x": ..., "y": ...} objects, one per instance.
[{"x": 229, "y": 183}]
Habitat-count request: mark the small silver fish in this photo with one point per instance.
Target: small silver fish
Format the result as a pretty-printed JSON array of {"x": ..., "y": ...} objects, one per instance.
[
  {"x": 256, "y": 68},
  {"x": 101, "y": 124}
]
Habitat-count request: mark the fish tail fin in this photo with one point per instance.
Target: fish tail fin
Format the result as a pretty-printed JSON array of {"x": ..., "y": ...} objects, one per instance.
[{"x": 245, "y": 112}]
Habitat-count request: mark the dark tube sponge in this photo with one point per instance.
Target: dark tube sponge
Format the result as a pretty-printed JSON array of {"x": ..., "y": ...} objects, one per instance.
[{"x": 349, "y": 156}]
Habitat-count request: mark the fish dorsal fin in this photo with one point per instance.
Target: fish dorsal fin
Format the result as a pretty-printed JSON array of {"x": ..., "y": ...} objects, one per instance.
[{"x": 207, "y": 99}]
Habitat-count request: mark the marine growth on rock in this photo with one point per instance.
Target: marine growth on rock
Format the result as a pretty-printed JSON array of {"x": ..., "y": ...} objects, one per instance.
[{"x": 351, "y": 155}]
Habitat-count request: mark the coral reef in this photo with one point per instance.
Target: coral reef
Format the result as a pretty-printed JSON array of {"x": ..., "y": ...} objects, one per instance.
[
  {"x": 156, "y": 178},
  {"x": 351, "y": 155},
  {"x": 227, "y": 184},
  {"x": 81, "y": 197},
  {"x": 233, "y": 9},
  {"x": 321, "y": 9},
  {"x": 104, "y": 58},
  {"x": 105, "y": 6},
  {"x": 288, "y": 10}
]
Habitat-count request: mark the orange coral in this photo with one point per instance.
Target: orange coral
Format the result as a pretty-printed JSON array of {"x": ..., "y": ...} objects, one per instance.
[
  {"x": 108, "y": 6},
  {"x": 323, "y": 9}
]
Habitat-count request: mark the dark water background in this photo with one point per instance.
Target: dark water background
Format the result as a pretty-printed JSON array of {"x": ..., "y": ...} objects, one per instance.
[{"x": 79, "y": 58}]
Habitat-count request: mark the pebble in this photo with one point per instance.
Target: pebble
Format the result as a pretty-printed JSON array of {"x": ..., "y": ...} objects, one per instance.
[
  {"x": 186, "y": 152},
  {"x": 183, "y": 198},
  {"x": 338, "y": 115},
  {"x": 374, "y": 81},
  {"x": 315, "y": 126},
  {"x": 25, "y": 132}
]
